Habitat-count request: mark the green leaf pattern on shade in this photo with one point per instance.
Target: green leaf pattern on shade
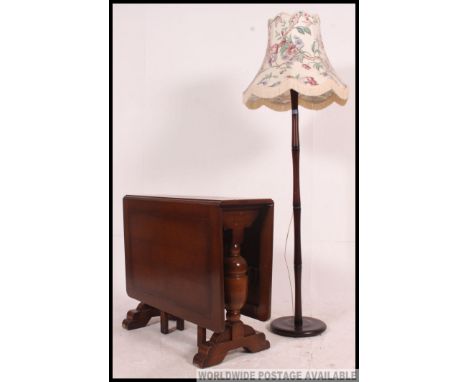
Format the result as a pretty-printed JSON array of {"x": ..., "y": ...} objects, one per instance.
[{"x": 303, "y": 30}]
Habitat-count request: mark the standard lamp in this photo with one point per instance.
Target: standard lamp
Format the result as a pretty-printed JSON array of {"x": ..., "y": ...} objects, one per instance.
[{"x": 295, "y": 71}]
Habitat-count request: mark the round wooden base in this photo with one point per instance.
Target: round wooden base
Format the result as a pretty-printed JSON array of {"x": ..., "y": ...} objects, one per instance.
[{"x": 285, "y": 326}]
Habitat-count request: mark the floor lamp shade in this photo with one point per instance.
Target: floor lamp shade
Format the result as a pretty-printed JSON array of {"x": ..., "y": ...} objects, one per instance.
[{"x": 295, "y": 59}]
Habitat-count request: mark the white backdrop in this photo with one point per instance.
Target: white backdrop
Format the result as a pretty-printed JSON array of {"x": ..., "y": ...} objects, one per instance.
[{"x": 180, "y": 128}]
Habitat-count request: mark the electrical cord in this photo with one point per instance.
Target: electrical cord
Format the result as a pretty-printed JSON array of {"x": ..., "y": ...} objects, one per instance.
[{"x": 284, "y": 255}]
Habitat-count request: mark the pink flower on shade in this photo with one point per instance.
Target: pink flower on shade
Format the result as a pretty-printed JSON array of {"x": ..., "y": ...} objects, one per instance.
[
  {"x": 291, "y": 49},
  {"x": 272, "y": 59},
  {"x": 274, "y": 49},
  {"x": 294, "y": 19},
  {"x": 310, "y": 81},
  {"x": 305, "y": 66}
]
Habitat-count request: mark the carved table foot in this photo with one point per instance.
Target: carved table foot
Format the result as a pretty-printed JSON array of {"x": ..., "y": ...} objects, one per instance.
[
  {"x": 139, "y": 317},
  {"x": 235, "y": 335}
]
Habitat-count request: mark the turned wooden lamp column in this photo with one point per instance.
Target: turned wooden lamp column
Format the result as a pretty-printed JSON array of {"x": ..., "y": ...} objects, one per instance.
[
  {"x": 295, "y": 71},
  {"x": 297, "y": 325}
]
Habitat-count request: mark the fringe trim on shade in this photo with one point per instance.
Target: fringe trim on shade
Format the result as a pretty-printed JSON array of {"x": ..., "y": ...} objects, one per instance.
[{"x": 311, "y": 97}]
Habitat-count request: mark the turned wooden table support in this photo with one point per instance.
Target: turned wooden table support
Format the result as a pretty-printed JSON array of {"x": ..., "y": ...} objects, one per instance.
[
  {"x": 236, "y": 334},
  {"x": 139, "y": 317}
]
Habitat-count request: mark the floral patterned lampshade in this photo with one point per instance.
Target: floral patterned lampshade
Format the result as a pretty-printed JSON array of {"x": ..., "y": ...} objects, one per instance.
[{"x": 295, "y": 59}]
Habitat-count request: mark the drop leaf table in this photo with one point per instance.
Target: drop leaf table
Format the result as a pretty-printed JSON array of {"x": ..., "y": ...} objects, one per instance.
[{"x": 192, "y": 259}]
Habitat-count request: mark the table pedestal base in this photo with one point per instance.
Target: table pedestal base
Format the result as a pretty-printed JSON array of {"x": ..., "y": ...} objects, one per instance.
[{"x": 235, "y": 335}]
